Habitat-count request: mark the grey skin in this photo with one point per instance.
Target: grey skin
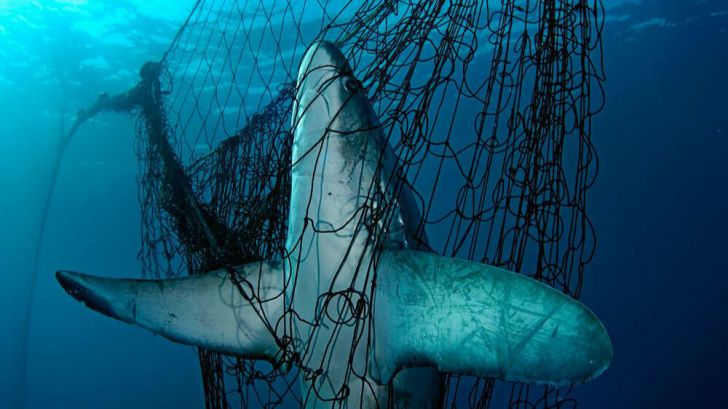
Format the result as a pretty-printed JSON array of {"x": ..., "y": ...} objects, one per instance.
[
  {"x": 352, "y": 219},
  {"x": 343, "y": 174}
]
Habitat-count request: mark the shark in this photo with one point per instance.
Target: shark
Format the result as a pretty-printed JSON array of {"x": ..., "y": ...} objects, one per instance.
[{"x": 368, "y": 311}]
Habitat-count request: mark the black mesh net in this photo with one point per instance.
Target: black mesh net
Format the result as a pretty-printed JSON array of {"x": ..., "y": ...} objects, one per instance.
[{"x": 487, "y": 104}]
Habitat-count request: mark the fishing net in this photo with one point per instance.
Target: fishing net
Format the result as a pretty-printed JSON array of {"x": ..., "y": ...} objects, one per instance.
[{"x": 487, "y": 104}]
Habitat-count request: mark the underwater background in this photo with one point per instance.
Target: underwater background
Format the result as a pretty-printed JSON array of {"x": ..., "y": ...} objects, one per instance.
[{"x": 659, "y": 281}]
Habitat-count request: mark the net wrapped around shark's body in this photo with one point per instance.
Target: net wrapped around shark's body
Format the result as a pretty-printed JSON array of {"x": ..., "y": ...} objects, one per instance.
[{"x": 488, "y": 106}]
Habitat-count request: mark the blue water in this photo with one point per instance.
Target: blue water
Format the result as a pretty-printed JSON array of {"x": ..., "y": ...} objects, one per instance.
[{"x": 659, "y": 281}]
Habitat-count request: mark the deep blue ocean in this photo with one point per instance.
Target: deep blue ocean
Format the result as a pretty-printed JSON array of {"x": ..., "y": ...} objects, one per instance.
[{"x": 659, "y": 281}]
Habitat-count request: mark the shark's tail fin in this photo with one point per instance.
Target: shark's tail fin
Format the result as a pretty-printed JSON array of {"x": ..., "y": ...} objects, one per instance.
[
  {"x": 471, "y": 318},
  {"x": 225, "y": 311}
]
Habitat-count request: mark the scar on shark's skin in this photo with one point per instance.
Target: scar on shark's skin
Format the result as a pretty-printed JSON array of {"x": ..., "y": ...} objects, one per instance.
[{"x": 427, "y": 315}]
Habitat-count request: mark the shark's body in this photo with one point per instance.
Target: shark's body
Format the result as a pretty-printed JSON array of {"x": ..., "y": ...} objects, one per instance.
[{"x": 378, "y": 317}]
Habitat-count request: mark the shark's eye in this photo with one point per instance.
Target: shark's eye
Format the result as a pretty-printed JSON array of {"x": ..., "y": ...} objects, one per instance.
[{"x": 352, "y": 85}]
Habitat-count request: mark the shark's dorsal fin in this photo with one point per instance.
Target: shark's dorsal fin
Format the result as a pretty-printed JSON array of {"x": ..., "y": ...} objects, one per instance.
[
  {"x": 228, "y": 311},
  {"x": 471, "y": 318}
]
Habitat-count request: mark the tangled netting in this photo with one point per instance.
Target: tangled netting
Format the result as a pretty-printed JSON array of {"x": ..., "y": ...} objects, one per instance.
[{"x": 487, "y": 103}]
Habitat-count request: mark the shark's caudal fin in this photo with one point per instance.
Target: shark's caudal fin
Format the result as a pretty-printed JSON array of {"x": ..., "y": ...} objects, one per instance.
[
  {"x": 212, "y": 310},
  {"x": 471, "y": 318}
]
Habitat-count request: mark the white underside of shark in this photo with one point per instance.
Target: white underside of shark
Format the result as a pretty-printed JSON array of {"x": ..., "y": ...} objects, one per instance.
[{"x": 378, "y": 317}]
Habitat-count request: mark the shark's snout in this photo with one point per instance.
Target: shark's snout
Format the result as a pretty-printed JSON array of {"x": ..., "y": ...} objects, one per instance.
[
  {"x": 330, "y": 103},
  {"x": 322, "y": 56}
]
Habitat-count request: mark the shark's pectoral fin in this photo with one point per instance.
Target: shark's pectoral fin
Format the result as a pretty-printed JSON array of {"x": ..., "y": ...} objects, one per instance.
[
  {"x": 224, "y": 311},
  {"x": 471, "y": 318}
]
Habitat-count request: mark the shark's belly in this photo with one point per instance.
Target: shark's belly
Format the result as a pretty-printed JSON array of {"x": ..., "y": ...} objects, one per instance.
[
  {"x": 327, "y": 235},
  {"x": 329, "y": 255}
]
